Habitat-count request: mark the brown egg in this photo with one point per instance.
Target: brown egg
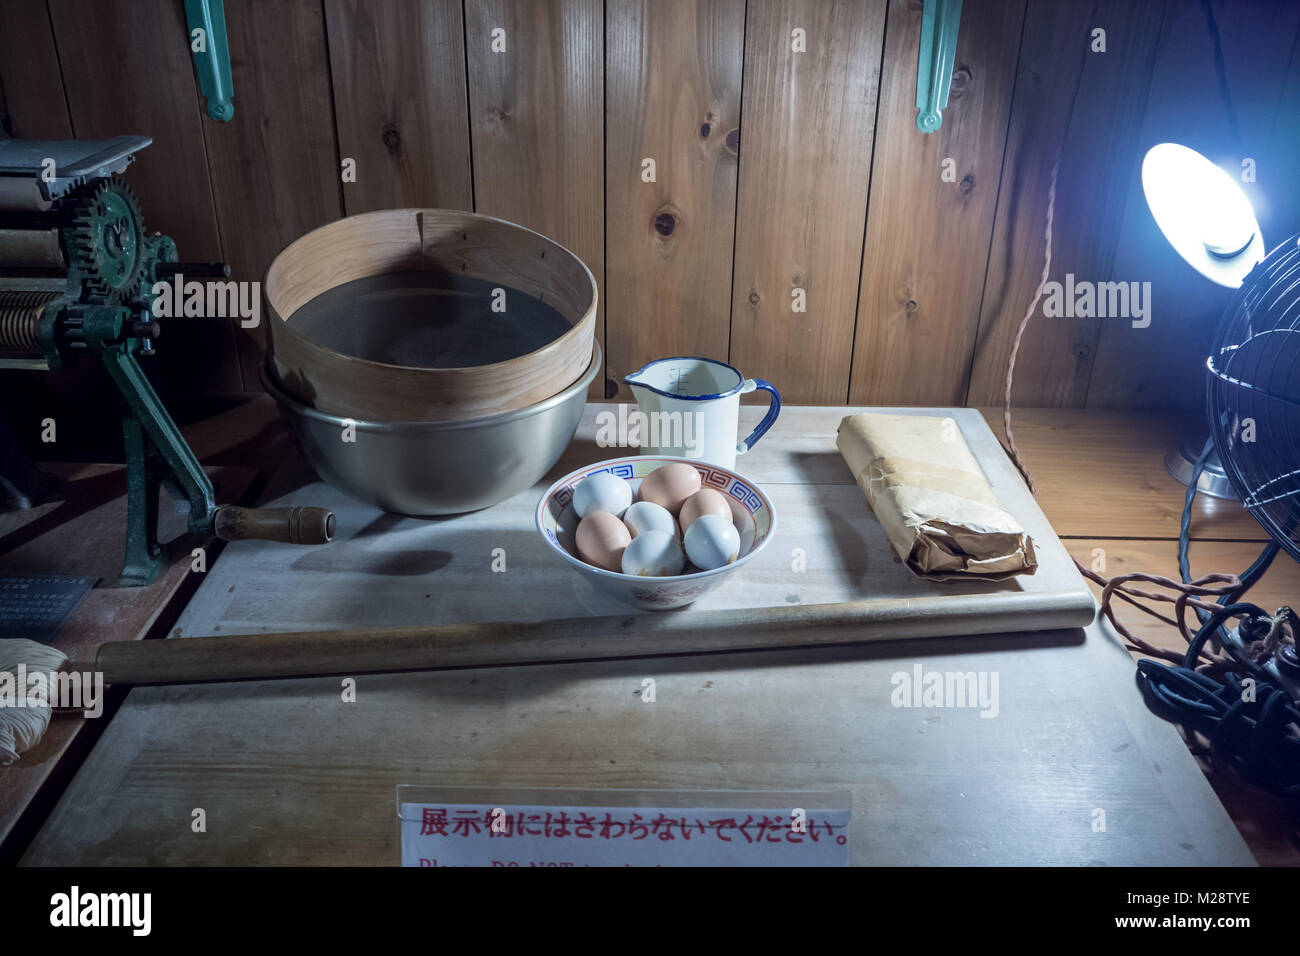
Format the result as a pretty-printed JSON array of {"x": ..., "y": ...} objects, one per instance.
[
  {"x": 601, "y": 538},
  {"x": 670, "y": 485},
  {"x": 706, "y": 501}
]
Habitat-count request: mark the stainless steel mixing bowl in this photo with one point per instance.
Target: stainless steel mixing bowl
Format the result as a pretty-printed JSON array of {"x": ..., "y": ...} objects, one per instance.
[{"x": 438, "y": 468}]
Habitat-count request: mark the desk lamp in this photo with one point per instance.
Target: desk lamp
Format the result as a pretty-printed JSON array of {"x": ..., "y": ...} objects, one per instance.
[
  {"x": 1253, "y": 394},
  {"x": 1206, "y": 217}
]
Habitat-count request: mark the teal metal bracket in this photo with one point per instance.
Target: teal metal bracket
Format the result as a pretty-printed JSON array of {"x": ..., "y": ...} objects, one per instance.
[
  {"x": 934, "y": 62},
  {"x": 212, "y": 63},
  {"x": 156, "y": 453}
]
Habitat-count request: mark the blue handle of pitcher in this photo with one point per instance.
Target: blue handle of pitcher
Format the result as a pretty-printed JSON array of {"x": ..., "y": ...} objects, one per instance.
[{"x": 773, "y": 409}]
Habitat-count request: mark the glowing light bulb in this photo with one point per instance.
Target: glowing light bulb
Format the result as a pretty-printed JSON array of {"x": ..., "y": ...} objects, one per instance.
[{"x": 1203, "y": 212}]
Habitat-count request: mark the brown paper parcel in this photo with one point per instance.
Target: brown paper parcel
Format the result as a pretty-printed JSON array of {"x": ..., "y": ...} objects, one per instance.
[{"x": 932, "y": 499}]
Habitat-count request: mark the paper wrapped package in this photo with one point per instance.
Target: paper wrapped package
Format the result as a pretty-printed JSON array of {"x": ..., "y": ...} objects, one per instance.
[{"x": 932, "y": 499}]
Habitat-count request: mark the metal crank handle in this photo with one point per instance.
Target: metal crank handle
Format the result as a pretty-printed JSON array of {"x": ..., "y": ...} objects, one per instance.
[{"x": 299, "y": 525}]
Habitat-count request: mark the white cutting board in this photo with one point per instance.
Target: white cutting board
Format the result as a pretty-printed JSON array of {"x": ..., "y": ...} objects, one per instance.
[{"x": 384, "y": 569}]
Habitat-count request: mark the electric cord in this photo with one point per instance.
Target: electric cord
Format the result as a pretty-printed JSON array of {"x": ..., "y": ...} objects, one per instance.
[
  {"x": 1247, "y": 722},
  {"x": 1185, "y": 525},
  {"x": 1123, "y": 587},
  {"x": 1249, "y": 576},
  {"x": 1219, "y": 690}
]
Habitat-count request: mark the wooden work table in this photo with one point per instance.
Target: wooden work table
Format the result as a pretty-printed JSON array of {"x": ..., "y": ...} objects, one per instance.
[
  {"x": 287, "y": 774},
  {"x": 1102, "y": 482}
]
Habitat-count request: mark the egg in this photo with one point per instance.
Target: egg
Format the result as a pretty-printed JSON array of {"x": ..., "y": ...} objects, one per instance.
[
  {"x": 654, "y": 554},
  {"x": 706, "y": 501},
  {"x": 646, "y": 516},
  {"x": 602, "y": 492},
  {"x": 711, "y": 542},
  {"x": 670, "y": 485},
  {"x": 601, "y": 538}
]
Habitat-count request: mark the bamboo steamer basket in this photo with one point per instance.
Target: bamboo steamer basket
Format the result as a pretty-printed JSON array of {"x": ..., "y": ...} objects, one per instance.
[{"x": 426, "y": 240}]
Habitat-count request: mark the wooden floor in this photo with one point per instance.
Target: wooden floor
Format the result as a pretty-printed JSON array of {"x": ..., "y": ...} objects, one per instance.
[{"x": 1102, "y": 483}]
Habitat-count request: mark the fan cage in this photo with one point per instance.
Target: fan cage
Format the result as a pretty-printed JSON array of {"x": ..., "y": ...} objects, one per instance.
[{"x": 1254, "y": 393}]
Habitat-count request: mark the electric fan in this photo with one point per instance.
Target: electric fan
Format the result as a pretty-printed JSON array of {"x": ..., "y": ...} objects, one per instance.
[
  {"x": 1246, "y": 704},
  {"x": 1244, "y": 698},
  {"x": 1254, "y": 394}
]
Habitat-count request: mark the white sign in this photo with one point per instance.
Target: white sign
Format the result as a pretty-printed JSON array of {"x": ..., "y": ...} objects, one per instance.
[{"x": 455, "y": 834}]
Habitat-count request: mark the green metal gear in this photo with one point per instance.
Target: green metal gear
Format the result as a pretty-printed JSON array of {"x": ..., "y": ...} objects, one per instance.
[{"x": 108, "y": 241}]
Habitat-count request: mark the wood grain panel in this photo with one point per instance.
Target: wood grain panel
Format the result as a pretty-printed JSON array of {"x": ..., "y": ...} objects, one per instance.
[
  {"x": 927, "y": 239},
  {"x": 29, "y": 73},
  {"x": 1103, "y": 474},
  {"x": 902, "y": 317},
  {"x": 807, "y": 122},
  {"x": 398, "y": 75},
  {"x": 1163, "y": 364},
  {"x": 673, "y": 75},
  {"x": 275, "y": 169},
  {"x": 1087, "y": 108},
  {"x": 536, "y": 122},
  {"x": 127, "y": 69},
  {"x": 110, "y": 94}
]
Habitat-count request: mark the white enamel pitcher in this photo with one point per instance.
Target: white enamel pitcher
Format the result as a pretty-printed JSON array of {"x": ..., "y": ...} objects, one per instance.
[{"x": 691, "y": 407}]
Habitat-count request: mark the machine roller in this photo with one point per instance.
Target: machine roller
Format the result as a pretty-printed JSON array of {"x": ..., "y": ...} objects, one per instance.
[{"x": 76, "y": 273}]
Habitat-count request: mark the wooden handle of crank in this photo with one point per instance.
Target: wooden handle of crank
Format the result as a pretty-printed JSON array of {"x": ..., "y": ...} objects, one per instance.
[
  {"x": 301, "y": 525},
  {"x": 371, "y": 650}
]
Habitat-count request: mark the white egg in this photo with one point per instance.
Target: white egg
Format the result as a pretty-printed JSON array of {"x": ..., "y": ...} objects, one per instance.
[
  {"x": 647, "y": 516},
  {"x": 654, "y": 554},
  {"x": 711, "y": 542},
  {"x": 602, "y": 492}
]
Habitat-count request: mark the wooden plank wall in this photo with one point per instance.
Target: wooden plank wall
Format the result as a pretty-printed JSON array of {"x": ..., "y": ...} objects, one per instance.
[
  {"x": 1081, "y": 109},
  {"x": 274, "y": 166},
  {"x": 409, "y": 149},
  {"x": 918, "y": 308},
  {"x": 672, "y": 96},
  {"x": 806, "y": 137},
  {"x": 787, "y": 167},
  {"x": 108, "y": 94},
  {"x": 1163, "y": 365},
  {"x": 536, "y": 117}
]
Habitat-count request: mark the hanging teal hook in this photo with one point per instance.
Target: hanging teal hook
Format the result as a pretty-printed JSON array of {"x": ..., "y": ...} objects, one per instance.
[
  {"x": 211, "y": 55},
  {"x": 934, "y": 62}
]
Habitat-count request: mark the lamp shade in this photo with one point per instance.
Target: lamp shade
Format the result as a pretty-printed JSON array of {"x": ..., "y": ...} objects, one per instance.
[{"x": 1203, "y": 213}]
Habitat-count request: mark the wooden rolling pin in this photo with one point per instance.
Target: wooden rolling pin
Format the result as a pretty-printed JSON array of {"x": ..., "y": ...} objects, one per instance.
[{"x": 370, "y": 650}]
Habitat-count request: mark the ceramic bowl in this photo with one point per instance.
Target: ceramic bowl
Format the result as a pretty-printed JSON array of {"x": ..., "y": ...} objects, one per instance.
[{"x": 751, "y": 510}]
